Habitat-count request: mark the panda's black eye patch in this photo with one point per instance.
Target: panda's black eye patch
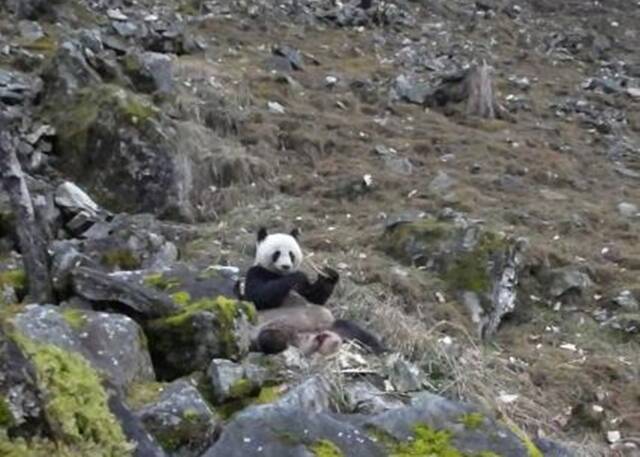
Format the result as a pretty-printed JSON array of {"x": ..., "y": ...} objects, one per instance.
[
  {"x": 275, "y": 256},
  {"x": 292, "y": 257}
]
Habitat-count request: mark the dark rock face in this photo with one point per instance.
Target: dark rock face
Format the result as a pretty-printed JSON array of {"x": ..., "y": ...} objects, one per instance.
[{"x": 117, "y": 145}]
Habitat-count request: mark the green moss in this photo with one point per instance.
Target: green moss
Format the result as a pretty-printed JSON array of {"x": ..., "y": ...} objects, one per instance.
[
  {"x": 6, "y": 417},
  {"x": 267, "y": 395},
  {"x": 144, "y": 393},
  {"x": 46, "y": 45},
  {"x": 190, "y": 415},
  {"x": 226, "y": 309},
  {"x": 426, "y": 442},
  {"x": 19, "y": 447},
  {"x": 472, "y": 421},
  {"x": 181, "y": 298},
  {"x": 241, "y": 388},
  {"x": 532, "y": 449},
  {"x": 76, "y": 405},
  {"x": 74, "y": 317},
  {"x": 469, "y": 270},
  {"x": 120, "y": 258},
  {"x": 16, "y": 279},
  {"x": 159, "y": 281},
  {"x": 325, "y": 448}
]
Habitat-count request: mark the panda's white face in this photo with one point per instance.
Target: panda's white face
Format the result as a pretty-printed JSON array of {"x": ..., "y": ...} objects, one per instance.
[{"x": 279, "y": 253}]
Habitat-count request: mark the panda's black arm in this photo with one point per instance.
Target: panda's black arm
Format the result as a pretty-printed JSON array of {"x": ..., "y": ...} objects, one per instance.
[
  {"x": 319, "y": 292},
  {"x": 268, "y": 290}
]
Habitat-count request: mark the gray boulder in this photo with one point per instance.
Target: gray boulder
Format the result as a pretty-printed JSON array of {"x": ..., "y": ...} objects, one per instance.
[
  {"x": 113, "y": 344},
  {"x": 461, "y": 427},
  {"x": 150, "y": 71},
  {"x": 291, "y": 432},
  {"x": 180, "y": 420}
]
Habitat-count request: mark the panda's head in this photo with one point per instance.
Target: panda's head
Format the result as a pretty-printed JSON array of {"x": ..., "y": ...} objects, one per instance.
[{"x": 278, "y": 252}]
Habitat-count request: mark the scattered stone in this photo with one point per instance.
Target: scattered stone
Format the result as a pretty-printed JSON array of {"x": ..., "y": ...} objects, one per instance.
[
  {"x": 228, "y": 381},
  {"x": 31, "y": 31},
  {"x": 403, "y": 375},
  {"x": 634, "y": 92},
  {"x": 150, "y": 71},
  {"x": 292, "y": 56},
  {"x": 614, "y": 436},
  {"x": 568, "y": 279},
  {"x": 442, "y": 183},
  {"x": 626, "y": 300},
  {"x": 275, "y": 107},
  {"x": 628, "y": 210},
  {"x": 364, "y": 398},
  {"x": 409, "y": 90},
  {"x": 116, "y": 14},
  {"x": 72, "y": 199}
]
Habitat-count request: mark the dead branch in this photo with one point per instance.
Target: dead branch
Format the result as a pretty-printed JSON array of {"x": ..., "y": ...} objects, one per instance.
[{"x": 31, "y": 238}]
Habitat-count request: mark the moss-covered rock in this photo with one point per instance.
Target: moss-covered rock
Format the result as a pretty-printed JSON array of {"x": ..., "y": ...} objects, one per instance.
[
  {"x": 16, "y": 279},
  {"x": 203, "y": 330},
  {"x": 111, "y": 343},
  {"x": 325, "y": 448},
  {"x": 479, "y": 267},
  {"x": 76, "y": 403}
]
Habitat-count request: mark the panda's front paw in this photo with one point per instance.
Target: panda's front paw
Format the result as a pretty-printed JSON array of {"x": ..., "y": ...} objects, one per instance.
[{"x": 331, "y": 274}]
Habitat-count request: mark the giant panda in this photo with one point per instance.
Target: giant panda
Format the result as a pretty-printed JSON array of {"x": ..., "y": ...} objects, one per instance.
[{"x": 290, "y": 306}]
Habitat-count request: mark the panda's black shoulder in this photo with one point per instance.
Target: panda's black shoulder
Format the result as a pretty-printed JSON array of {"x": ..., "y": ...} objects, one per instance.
[{"x": 260, "y": 274}]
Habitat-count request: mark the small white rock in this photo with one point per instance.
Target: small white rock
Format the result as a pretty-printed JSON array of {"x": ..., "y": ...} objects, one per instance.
[
  {"x": 116, "y": 14},
  {"x": 613, "y": 436},
  {"x": 275, "y": 107},
  {"x": 507, "y": 398}
]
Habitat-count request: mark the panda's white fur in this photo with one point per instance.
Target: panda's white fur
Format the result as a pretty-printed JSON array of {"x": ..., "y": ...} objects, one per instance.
[{"x": 279, "y": 253}]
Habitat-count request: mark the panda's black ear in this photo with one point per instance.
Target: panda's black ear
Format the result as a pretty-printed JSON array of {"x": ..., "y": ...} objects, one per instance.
[
  {"x": 295, "y": 233},
  {"x": 262, "y": 234}
]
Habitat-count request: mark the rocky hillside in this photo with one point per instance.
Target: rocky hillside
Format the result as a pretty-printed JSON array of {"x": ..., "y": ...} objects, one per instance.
[{"x": 471, "y": 168}]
